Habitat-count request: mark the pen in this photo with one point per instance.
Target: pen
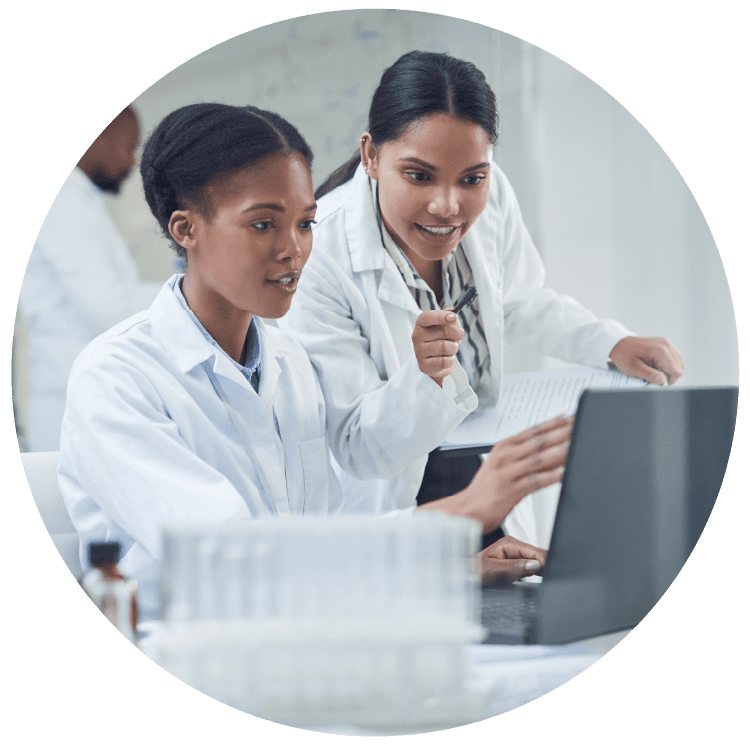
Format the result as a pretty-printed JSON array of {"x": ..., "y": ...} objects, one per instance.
[{"x": 467, "y": 298}]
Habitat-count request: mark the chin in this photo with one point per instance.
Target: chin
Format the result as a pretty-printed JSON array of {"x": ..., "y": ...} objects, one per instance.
[{"x": 274, "y": 311}]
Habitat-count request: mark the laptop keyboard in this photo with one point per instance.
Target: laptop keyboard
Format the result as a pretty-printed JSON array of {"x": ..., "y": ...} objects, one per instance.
[{"x": 514, "y": 612}]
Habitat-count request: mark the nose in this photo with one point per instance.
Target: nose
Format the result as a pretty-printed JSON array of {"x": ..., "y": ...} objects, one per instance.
[
  {"x": 296, "y": 245},
  {"x": 444, "y": 202}
]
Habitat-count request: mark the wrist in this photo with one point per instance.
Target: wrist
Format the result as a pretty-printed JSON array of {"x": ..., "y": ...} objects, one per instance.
[{"x": 466, "y": 503}]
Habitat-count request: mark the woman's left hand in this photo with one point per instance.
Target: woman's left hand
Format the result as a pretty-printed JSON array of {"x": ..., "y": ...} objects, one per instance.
[
  {"x": 508, "y": 560},
  {"x": 653, "y": 360}
]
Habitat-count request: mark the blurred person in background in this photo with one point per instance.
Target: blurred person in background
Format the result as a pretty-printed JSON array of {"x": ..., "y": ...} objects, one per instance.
[{"x": 81, "y": 278}]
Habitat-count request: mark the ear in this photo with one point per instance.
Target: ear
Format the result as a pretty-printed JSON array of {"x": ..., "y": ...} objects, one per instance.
[
  {"x": 369, "y": 155},
  {"x": 182, "y": 228}
]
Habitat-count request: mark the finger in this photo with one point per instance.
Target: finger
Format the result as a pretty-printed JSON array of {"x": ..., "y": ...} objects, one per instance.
[
  {"x": 434, "y": 363},
  {"x": 504, "y": 571},
  {"x": 509, "y": 547},
  {"x": 438, "y": 367},
  {"x": 669, "y": 362},
  {"x": 539, "y": 461},
  {"x": 438, "y": 348},
  {"x": 533, "y": 481},
  {"x": 560, "y": 423},
  {"x": 450, "y": 331},
  {"x": 521, "y": 447},
  {"x": 650, "y": 374},
  {"x": 436, "y": 318}
]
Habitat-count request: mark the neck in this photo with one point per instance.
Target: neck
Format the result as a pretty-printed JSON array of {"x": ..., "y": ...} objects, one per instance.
[
  {"x": 227, "y": 324},
  {"x": 430, "y": 271}
]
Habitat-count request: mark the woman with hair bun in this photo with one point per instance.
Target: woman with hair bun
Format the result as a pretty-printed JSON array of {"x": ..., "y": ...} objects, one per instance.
[
  {"x": 197, "y": 411},
  {"x": 419, "y": 214}
]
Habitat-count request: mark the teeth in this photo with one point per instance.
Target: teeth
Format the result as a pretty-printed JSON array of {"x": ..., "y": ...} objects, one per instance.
[
  {"x": 286, "y": 280},
  {"x": 438, "y": 231}
]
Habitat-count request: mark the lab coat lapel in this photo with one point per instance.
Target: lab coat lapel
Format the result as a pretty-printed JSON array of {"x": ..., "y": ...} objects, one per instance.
[
  {"x": 280, "y": 399},
  {"x": 484, "y": 254},
  {"x": 366, "y": 249},
  {"x": 392, "y": 289},
  {"x": 253, "y": 417},
  {"x": 273, "y": 461}
]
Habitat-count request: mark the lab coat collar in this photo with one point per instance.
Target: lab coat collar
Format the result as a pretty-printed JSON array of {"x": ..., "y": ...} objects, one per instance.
[
  {"x": 366, "y": 246},
  {"x": 271, "y": 352},
  {"x": 177, "y": 332},
  {"x": 187, "y": 346},
  {"x": 481, "y": 244},
  {"x": 362, "y": 231}
]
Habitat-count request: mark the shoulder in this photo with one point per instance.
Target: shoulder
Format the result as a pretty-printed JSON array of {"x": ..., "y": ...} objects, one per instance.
[
  {"x": 75, "y": 204},
  {"x": 502, "y": 194},
  {"x": 78, "y": 191},
  {"x": 330, "y": 228},
  {"x": 502, "y": 207},
  {"x": 333, "y": 201},
  {"x": 330, "y": 253},
  {"x": 130, "y": 344}
]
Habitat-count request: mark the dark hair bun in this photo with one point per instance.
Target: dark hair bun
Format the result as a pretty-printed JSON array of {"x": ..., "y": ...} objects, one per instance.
[{"x": 196, "y": 143}]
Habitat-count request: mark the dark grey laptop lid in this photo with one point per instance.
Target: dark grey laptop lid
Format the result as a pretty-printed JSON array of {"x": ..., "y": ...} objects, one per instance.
[{"x": 642, "y": 476}]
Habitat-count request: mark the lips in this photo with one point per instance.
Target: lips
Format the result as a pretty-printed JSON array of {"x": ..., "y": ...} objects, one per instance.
[
  {"x": 287, "y": 282},
  {"x": 285, "y": 279},
  {"x": 440, "y": 230}
]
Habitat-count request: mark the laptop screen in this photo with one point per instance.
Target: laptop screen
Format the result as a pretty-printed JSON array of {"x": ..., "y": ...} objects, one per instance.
[{"x": 643, "y": 473}]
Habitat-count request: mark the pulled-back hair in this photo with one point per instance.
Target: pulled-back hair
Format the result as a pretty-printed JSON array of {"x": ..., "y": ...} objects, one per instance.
[
  {"x": 415, "y": 86},
  {"x": 196, "y": 143}
]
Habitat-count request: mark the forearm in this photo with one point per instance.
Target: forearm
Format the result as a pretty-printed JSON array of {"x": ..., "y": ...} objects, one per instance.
[
  {"x": 379, "y": 433},
  {"x": 558, "y": 326}
]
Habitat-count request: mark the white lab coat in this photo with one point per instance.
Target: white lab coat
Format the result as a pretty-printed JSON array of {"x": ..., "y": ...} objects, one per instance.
[
  {"x": 81, "y": 280},
  {"x": 160, "y": 426},
  {"x": 355, "y": 315}
]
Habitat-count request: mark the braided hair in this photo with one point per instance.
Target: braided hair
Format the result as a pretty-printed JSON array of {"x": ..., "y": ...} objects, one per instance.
[
  {"x": 196, "y": 143},
  {"x": 415, "y": 86}
]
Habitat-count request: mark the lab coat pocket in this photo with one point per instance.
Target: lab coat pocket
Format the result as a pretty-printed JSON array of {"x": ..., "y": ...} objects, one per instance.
[{"x": 314, "y": 457}]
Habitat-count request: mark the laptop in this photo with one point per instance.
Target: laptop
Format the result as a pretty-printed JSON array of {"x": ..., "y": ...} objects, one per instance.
[{"x": 642, "y": 475}]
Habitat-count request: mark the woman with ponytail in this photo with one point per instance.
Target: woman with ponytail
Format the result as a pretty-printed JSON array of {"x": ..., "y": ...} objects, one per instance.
[{"x": 416, "y": 216}]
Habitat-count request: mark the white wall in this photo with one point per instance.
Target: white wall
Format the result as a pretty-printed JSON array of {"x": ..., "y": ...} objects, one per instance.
[{"x": 620, "y": 230}]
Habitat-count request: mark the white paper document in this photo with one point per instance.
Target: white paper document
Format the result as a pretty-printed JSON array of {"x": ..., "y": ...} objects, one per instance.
[{"x": 527, "y": 399}]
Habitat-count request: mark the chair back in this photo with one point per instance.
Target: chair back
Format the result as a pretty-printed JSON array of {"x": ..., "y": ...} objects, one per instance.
[{"x": 41, "y": 472}]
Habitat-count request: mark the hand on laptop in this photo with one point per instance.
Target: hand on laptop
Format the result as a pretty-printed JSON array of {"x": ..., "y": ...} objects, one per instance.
[
  {"x": 508, "y": 560},
  {"x": 653, "y": 360},
  {"x": 514, "y": 468}
]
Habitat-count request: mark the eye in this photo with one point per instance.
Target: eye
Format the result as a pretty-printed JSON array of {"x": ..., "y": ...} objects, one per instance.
[
  {"x": 307, "y": 224},
  {"x": 262, "y": 225},
  {"x": 474, "y": 180},
  {"x": 418, "y": 175}
]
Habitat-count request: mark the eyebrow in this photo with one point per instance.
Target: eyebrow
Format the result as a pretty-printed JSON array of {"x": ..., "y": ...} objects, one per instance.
[
  {"x": 432, "y": 168},
  {"x": 276, "y": 207}
]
